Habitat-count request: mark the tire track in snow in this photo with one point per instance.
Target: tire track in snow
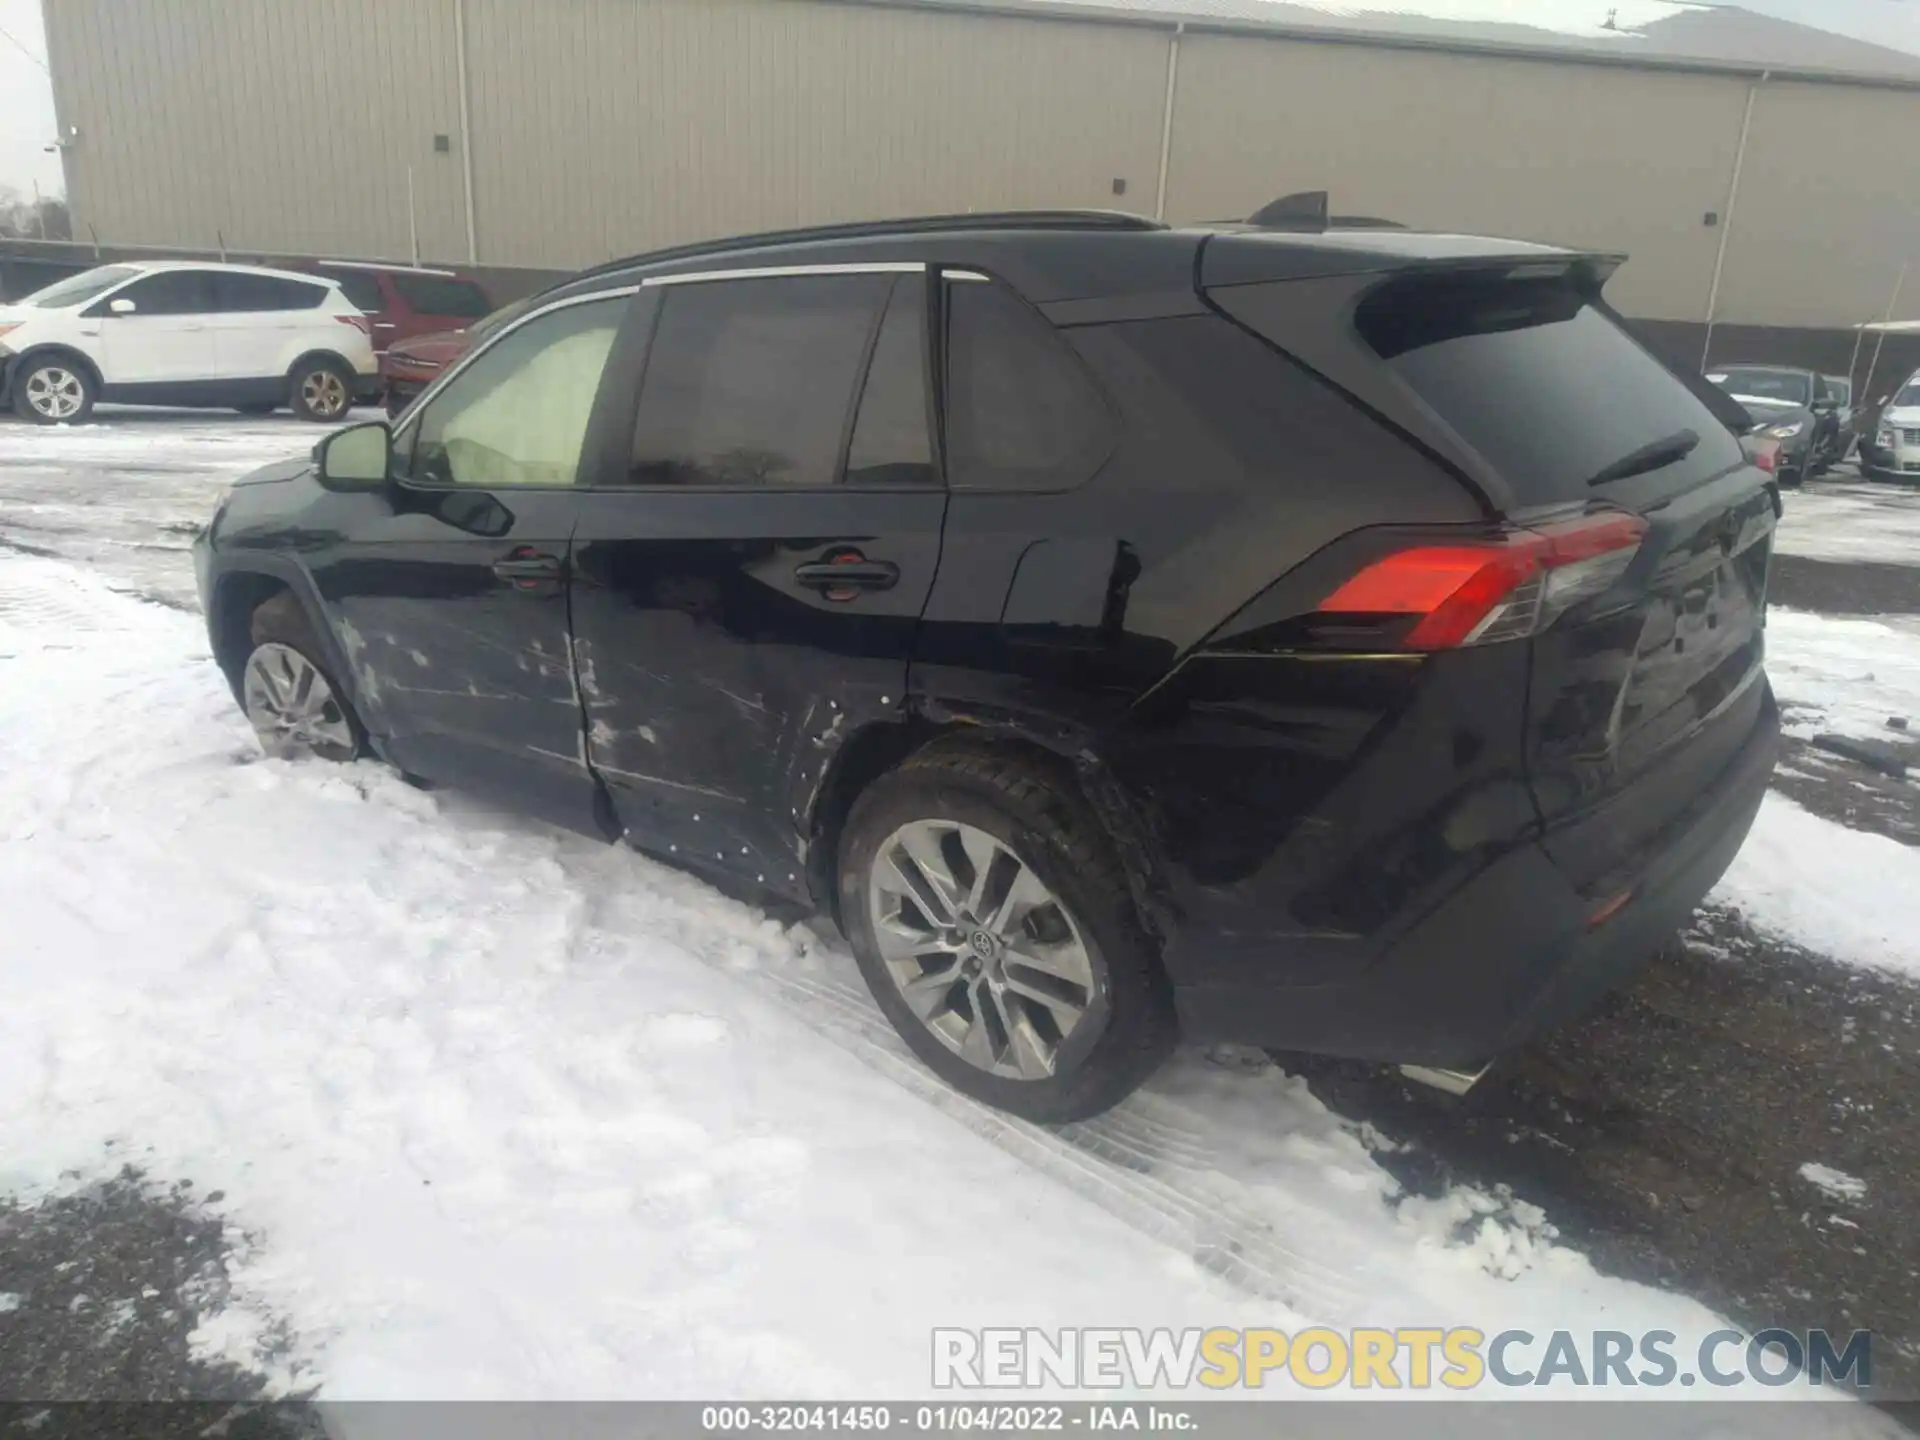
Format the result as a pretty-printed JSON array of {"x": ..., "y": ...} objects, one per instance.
[{"x": 1149, "y": 1163}]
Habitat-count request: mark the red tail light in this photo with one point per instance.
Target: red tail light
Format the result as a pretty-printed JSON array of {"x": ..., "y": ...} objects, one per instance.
[
  {"x": 1766, "y": 456},
  {"x": 1501, "y": 588},
  {"x": 358, "y": 322}
]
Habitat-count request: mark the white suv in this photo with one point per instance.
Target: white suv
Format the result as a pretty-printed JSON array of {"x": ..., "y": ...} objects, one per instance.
[{"x": 179, "y": 333}]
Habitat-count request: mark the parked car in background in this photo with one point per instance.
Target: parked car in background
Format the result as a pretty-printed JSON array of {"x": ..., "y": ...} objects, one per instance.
[
  {"x": 1846, "y": 416},
  {"x": 1892, "y": 445},
  {"x": 185, "y": 333},
  {"x": 405, "y": 301},
  {"x": 979, "y": 580},
  {"x": 410, "y": 366},
  {"x": 1788, "y": 405}
]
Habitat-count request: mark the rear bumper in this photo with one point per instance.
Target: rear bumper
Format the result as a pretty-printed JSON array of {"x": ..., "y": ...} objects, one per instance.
[{"x": 1509, "y": 954}]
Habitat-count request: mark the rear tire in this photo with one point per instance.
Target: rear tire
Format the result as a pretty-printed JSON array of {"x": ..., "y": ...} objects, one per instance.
[
  {"x": 54, "y": 390},
  {"x": 294, "y": 702},
  {"x": 1038, "y": 991},
  {"x": 321, "y": 390}
]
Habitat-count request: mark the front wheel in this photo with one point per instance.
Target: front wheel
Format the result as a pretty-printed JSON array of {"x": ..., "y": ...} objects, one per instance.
[
  {"x": 321, "y": 391},
  {"x": 994, "y": 925},
  {"x": 295, "y": 705},
  {"x": 53, "y": 391}
]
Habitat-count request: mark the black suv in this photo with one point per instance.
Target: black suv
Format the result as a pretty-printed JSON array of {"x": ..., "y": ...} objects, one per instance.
[{"x": 1340, "y": 641}]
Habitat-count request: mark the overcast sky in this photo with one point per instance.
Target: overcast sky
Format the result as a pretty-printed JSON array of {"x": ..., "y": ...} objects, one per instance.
[
  {"x": 26, "y": 98},
  {"x": 26, "y": 101}
]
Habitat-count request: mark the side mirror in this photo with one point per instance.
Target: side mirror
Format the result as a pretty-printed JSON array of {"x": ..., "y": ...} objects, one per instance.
[
  {"x": 121, "y": 306},
  {"x": 1825, "y": 405},
  {"x": 358, "y": 458}
]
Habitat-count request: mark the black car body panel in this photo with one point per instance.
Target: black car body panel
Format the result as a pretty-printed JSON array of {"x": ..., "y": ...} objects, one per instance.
[{"x": 1122, "y": 470}]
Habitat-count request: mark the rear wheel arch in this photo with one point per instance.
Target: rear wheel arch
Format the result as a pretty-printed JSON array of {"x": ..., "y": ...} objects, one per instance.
[
  {"x": 308, "y": 358},
  {"x": 881, "y": 749}
]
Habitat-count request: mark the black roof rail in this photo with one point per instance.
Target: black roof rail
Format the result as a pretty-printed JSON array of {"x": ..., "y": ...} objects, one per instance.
[{"x": 876, "y": 229}]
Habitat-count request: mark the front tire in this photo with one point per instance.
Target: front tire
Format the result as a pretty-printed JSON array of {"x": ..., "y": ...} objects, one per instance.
[
  {"x": 54, "y": 391},
  {"x": 994, "y": 925},
  {"x": 296, "y": 705},
  {"x": 321, "y": 391}
]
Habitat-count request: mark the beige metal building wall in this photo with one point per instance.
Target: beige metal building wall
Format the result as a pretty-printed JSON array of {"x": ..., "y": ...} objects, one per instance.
[
  {"x": 1828, "y": 212},
  {"x": 1573, "y": 154},
  {"x": 276, "y": 124},
  {"x": 602, "y": 127}
]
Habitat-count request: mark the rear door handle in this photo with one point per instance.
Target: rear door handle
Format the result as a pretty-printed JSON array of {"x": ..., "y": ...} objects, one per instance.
[
  {"x": 846, "y": 576},
  {"x": 527, "y": 569}
]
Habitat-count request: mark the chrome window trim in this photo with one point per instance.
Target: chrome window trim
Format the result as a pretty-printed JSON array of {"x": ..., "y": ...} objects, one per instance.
[
  {"x": 447, "y": 376},
  {"x": 774, "y": 272}
]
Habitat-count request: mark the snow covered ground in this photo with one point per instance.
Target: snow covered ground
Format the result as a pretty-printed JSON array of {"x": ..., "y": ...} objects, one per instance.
[
  {"x": 1851, "y": 521},
  {"x": 509, "y": 1114}
]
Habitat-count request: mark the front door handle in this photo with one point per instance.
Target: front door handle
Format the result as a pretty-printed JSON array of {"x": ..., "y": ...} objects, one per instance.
[
  {"x": 846, "y": 575},
  {"x": 529, "y": 569}
]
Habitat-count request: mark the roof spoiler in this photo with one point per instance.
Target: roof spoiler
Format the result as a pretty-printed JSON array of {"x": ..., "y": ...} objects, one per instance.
[{"x": 1308, "y": 211}]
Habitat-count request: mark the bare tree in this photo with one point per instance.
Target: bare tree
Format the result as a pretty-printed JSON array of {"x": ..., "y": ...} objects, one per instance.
[{"x": 24, "y": 219}]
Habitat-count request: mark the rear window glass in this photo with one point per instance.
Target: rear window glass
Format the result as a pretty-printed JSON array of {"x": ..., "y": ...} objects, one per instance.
[{"x": 1539, "y": 380}]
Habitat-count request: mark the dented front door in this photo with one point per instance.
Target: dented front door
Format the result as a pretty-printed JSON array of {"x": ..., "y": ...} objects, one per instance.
[{"x": 453, "y": 615}]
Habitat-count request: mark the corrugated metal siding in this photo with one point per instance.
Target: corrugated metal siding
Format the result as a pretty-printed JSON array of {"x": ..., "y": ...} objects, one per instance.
[
  {"x": 1827, "y": 209},
  {"x": 1569, "y": 154},
  {"x": 602, "y": 127},
  {"x": 280, "y": 125}
]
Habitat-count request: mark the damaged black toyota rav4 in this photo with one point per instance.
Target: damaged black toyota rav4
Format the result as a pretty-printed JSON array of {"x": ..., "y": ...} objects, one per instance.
[{"x": 1333, "y": 640}]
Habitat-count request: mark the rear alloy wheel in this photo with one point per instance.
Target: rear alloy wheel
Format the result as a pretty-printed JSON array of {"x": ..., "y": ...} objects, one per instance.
[
  {"x": 322, "y": 391},
  {"x": 996, "y": 928},
  {"x": 53, "y": 392},
  {"x": 981, "y": 951}
]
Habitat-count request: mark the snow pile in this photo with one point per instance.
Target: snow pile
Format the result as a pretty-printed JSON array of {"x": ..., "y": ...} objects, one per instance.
[
  {"x": 510, "y": 1114},
  {"x": 1846, "y": 894},
  {"x": 1845, "y": 675},
  {"x": 1837, "y": 1183}
]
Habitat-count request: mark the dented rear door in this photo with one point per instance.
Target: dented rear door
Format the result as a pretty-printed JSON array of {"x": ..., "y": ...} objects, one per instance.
[{"x": 748, "y": 601}]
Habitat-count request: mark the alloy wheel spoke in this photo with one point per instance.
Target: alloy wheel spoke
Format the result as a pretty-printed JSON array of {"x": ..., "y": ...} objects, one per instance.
[
  {"x": 1023, "y": 895},
  {"x": 1065, "y": 1012},
  {"x": 916, "y": 858},
  {"x": 1031, "y": 1055}
]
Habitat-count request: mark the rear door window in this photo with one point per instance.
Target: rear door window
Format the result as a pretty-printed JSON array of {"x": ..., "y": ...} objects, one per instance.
[
  {"x": 1540, "y": 381},
  {"x": 441, "y": 295},
  {"x": 892, "y": 442},
  {"x": 1022, "y": 411},
  {"x": 235, "y": 292},
  {"x": 753, "y": 382}
]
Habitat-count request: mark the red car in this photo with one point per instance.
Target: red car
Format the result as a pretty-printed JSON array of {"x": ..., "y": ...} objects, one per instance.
[
  {"x": 403, "y": 301},
  {"x": 410, "y": 366}
]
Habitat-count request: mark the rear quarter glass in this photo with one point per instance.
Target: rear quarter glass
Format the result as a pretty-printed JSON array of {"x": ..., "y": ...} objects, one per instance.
[{"x": 1541, "y": 382}]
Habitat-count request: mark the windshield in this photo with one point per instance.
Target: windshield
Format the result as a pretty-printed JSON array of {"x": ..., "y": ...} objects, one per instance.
[
  {"x": 78, "y": 289},
  {"x": 1842, "y": 390},
  {"x": 1782, "y": 387},
  {"x": 1909, "y": 395}
]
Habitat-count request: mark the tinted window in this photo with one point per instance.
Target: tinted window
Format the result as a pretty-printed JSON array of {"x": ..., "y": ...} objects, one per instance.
[
  {"x": 890, "y": 437},
  {"x": 1022, "y": 412},
  {"x": 1783, "y": 387},
  {"x": 235, "y": 291},
  {"x": 751, "y": 382},
  {"x": 441, "y": 295},
  {"x": 78, "y": 289},
  {"x": 1909, "y": 395},
  {"x": 1538, "y": 380},
  {"x": 361, "y": 287},
  {"x": 171, "y": 292},
  {"x": 518, "y": 414}
]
